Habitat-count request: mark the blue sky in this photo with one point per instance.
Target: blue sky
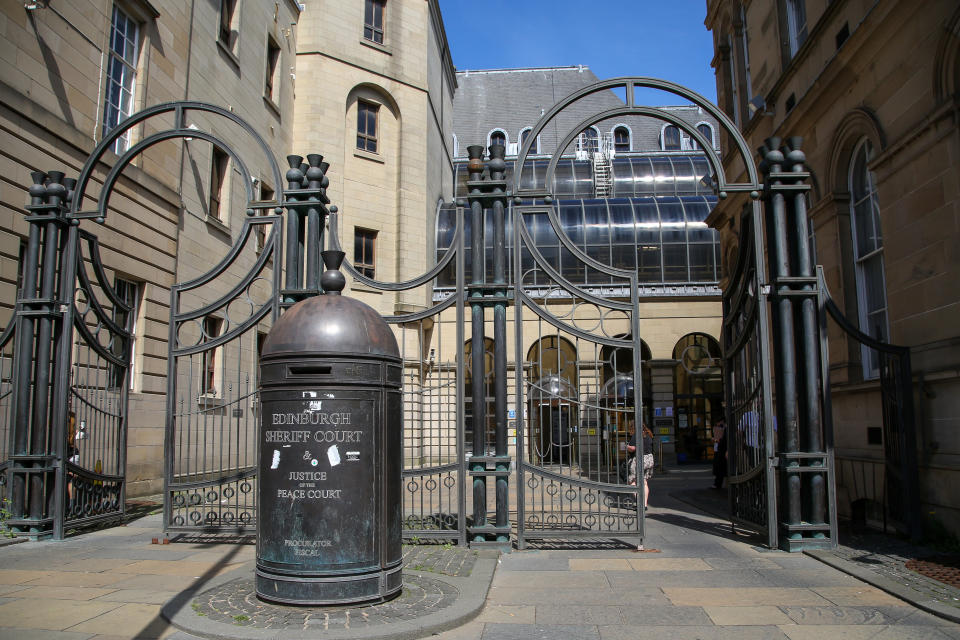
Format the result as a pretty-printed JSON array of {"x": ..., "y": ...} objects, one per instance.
[{"x": 613, "y": 37}]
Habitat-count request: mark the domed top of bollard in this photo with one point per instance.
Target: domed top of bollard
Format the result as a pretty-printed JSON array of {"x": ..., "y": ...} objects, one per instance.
[{"x": 331, "y": 324}]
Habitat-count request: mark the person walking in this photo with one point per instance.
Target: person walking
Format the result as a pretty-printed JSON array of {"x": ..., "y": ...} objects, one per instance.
[{"x": 647, "y": 461}]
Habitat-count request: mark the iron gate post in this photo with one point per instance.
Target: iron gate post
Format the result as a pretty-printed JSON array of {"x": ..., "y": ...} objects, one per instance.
[
  {"x": 477, "y": 348},
  {"x": 306, "y": 201},
  {"x": 497, "y": 167},
  {"x": 803, "y": 463},
  {"x": 814, "y": 507},
  {"x": 41, "y": 371},
  {"x": 489, "y": 197}
]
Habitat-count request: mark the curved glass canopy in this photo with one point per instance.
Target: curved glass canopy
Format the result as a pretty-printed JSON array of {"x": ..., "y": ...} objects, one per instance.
[
  {"x": 668, "y": 174},
  {"x": 663, "y": 238}
]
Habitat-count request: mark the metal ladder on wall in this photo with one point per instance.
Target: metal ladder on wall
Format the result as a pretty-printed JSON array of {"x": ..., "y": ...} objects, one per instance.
[{"x": 602, "y": 175}]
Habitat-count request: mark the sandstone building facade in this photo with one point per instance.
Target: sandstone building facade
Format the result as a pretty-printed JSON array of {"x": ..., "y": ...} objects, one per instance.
[{"x": 872, "y": 89}]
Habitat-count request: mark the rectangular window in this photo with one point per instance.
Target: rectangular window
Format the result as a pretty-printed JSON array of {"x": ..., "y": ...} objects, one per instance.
[
  {"x": 364, "y": 249},
  {"x": 266, "y": 194},
  {"x": 273, "y": 63},
  {"x": 121, "y": 75},
  {"x": 129, "y": 293},
  {"x": 227, "y": 10},
  {"x": 373, "y": 20},
  {"x": 218, "y": 177},
  {"x": 367, "y": 126},
  {"x": 21, "y": 262},
  {"x": 208, "y": 373},
  {"x": 796, "y": 24}
]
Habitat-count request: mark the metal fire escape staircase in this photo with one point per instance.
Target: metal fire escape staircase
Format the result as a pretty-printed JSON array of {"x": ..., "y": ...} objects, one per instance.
[{"x": 600, "y": 152}]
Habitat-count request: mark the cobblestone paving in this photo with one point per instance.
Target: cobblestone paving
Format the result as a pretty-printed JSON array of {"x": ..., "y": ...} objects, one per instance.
[
  {"x": 450, "y": 561},
  {"x": 887, "y": 556},
  {"x": 236, "y": 603}
]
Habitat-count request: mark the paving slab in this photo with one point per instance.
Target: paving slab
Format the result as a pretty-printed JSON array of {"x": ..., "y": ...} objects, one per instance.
[
  {"x": 34, "y": 634},
  {"x": 140, "y": 596},
  {"x": 740, "y": 563},
  {"x": 658, "y": 615},
  {"x": 671, "y": 632},
  {"x": 143, "y": 619},
  {"x": 94, "y": 565},
  {"x": 20, "y": 576},
  {"x": 841, "y": 615},
  {"x": 644, "y": 595},
  {"x": 700, "y": 596},
  {"x": 653, "y": 563},
  {"x": 509, "y": 614},
  {"x": 63, "y": 593},
  {"x": 856, "y": 595},
  {"x": 598, "y": 564},
  {"x": 79, "y": 579},
  {"x": 53, "y": 615},
  {"x": 538, "y": 579},
  {"x": 539, "y": 632},
  {"x": 863, "y": 632},
  {"x": 574, "y": 614},
  {"x": 750, "y": 615},
  {"x": 808, "y": 577},
  {"x": 663, "y": 579}
]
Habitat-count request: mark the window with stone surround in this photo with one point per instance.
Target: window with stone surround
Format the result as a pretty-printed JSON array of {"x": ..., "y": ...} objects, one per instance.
[
  {"x": 373, "y": 13},
  {"x": 670, "y": 138},
  {"x": 219, "y": 164},
  {"x": 621, "y": 139},
  {"x": 209, "y": 376},
  {"x": 867, "y": 254},
  {"x": 367, "y": 115},
  {"x": 364, "y": 251},
  {"x": 124, "y": 52},
  {"x": 271, "y": 87},
  {"x": 228, "y": 28},
  {"x": 796, "y": 24},
  {"x": 535, "y": 146},
  {"x": 130, "y": 293}
]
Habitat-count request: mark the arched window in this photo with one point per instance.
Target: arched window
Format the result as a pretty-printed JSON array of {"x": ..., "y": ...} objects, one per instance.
[
  {"x": 867, "y": 253},
  {"x": 553, "y": 397},
  {"x": 670, "y": 138},
  {"x": 698, "y": 395},
  {"x": 591, "y": 139},
  {"x": 456, "y": 146},
  {"x": 707, "y": 131},
  {"x": 497, "y": 136},
  {"x": 621, "y": 139},
  {"x": 524, "y": 134}
]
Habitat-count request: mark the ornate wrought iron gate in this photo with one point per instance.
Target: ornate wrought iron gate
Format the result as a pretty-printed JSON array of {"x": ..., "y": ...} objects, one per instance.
[
  {"x": 65, "y": 361},
  {"x": 212, "y": 385},
  {"x": 750, "y": 438},
  {"x": 896, "y": 473}
]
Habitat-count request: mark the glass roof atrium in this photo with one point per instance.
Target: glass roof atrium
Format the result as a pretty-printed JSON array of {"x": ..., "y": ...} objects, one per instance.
[
  {"x": 640, "y": 175},
  {"x": 663, "y": 238},
  {"x": 653, "y": 224}
]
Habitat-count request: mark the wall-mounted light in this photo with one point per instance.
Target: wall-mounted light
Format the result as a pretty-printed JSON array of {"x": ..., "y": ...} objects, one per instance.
[
  {"x": 192, "y": 127},
  {"x": 758, "y": 103}
]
